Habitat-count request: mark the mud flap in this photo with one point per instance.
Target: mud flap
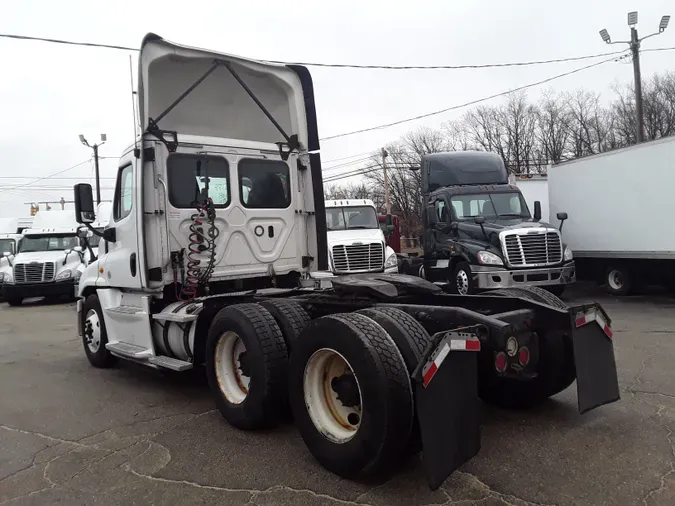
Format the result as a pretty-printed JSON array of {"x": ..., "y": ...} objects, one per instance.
[
  {"x": 446, "y": 388},
  {"x": 597, "y": 381}
]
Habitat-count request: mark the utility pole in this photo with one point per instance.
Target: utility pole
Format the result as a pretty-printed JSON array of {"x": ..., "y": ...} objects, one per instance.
[
  {"x": 634, "y": 44},
  {"x": 387, "y": 201},
  {"x": 95, "y": 148}
]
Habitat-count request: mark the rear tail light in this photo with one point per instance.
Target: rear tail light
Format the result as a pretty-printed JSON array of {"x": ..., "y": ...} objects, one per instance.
[
  {"x": 524, "y": 356},
  {"x": 500, "y": 362}
]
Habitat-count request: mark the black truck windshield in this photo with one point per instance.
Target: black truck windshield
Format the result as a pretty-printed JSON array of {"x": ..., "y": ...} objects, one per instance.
[
  {"x": 344, "y": 218},
  {"x": 7, "y": 246},
  {"x": 490, "y": 205},
  {"x": 55, "y": 242}
]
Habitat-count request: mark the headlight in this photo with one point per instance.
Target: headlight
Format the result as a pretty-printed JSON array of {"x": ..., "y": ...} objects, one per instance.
[
  {"x": 65, "y": 274},
  {"x": 5, "y": 277},
  {"x": 391, "y": 261},
  {"x": 487, "y": 258},
  {"x": 568, "y": 254}
]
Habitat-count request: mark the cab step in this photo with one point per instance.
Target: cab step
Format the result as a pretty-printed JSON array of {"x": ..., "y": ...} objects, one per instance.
[
  {"x": 129, "y": 351},
  {"x": 175, "y": 317},
  {"x": 127, "y": 310},
  {"x": 170, "y": 363}
]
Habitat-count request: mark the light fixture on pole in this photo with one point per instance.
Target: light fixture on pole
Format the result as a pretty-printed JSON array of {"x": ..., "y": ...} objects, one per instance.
[
  {"x": 95, "y": 147},
  {"x": 634, "y": 44}
]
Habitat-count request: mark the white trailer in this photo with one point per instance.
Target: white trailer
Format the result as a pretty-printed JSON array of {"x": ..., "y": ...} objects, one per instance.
[{"x": 619, "y": 206}]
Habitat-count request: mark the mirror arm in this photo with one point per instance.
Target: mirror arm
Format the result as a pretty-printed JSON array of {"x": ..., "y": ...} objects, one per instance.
[{"x": 93, "y": 230}]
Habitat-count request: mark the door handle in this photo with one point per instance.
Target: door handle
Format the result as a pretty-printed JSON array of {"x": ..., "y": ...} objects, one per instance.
[{"x": 132, "y": 264}]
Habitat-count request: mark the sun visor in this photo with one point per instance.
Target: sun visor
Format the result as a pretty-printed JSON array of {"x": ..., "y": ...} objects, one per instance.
[{"x": 219, "y": 104}]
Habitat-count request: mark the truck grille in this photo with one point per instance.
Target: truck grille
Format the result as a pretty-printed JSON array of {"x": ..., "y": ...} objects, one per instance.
[
  {"x": 358, "y": 258},
  {"x": 528, "y": 249},
  {"x": 34, "y": 272}
]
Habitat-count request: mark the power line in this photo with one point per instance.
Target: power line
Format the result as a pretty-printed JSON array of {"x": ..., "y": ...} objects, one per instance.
[
  {"x": 341, "y": 65},
  {"x": 473, "y": 102},
  {"x": 46, "y": 177}
]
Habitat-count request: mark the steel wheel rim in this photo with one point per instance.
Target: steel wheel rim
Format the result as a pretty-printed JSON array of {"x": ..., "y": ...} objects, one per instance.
[
  {"x": 231, "y": 368},
  {"x": 462, "y": 282},
  {"x": 92, "y": 330},
  {"x": 615, "y": 279},
  {"x": 331, "y": 417}
]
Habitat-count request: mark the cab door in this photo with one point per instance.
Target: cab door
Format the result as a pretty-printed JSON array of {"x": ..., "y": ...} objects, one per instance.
[{"x": 121, "y": 266}]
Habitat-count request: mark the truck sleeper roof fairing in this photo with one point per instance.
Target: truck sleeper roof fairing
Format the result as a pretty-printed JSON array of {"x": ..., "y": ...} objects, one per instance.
[
  {"x": 190, "y": 91},
  {"x": 462, "y": 168}
]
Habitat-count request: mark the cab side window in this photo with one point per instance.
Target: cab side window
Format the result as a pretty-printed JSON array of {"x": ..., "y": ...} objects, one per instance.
[
  {"x": 441, "y": 211},
  {"x": 123, "y": 193}
]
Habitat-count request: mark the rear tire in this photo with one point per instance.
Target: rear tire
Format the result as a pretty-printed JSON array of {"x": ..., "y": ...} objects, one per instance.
[
  {"x": 619, "y": 280},
  {"x": 290, "y": 316},
  {"x": 412, "y": 341},
  {"x": 247, "y": 366},
  {"x": 95, "y": 335},
  {"x": 381, "y": 415}
]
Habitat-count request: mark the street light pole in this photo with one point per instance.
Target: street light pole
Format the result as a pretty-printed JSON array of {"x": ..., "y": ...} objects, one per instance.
[
  {"x": 95, "y": 148},
  {"x": 387, "y": 200},
  {"x": 640, "y": 118},
  {"x": 634, "y": 44}
]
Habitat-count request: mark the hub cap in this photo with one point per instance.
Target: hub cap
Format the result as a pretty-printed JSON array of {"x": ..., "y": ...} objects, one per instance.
[
  {"x": 462, "y": 282},
  {"x": 615, "y": 279},
  {"x": 332, "y": 395},
  {"x": 92, "y": 331},
  {"x": 232, "y": 367}
]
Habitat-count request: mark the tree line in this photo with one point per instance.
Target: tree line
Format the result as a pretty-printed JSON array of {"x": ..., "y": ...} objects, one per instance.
[{"x": 528, "y": 135}]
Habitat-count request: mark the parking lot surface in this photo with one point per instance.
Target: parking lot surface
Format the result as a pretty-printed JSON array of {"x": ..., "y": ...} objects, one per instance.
[{"x": 71, "y": 434}]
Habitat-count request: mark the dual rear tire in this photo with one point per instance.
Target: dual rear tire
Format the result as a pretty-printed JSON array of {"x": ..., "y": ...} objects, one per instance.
[{"x": 347, "y": 380}]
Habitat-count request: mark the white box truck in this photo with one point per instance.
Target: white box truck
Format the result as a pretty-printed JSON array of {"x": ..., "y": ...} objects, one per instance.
[
  {"x": 534, "y": 187},
  {"x": 619, "y": 205}
]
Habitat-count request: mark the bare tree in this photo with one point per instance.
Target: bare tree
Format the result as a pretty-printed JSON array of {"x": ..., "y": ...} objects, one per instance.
[{"x": 553, "y": 127}]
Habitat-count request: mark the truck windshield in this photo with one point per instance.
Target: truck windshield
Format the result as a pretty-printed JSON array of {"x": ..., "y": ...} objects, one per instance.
[
  {"x": 344, "y": 218},
  {"x": 490, "y": 205},
  {"x": 54, "y": 242},
  {"x": 7, "y": 246}
]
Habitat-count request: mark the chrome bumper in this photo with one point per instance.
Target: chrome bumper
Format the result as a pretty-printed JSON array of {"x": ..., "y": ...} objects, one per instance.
[{"x": 497, "y": 277}]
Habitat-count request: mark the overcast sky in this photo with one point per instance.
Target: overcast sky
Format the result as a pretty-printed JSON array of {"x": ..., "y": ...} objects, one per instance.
[{"x": 50, "y": 93}]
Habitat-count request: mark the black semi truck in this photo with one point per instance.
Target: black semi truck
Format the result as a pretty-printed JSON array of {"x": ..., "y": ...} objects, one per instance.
[{"x": 479, "y": 233}]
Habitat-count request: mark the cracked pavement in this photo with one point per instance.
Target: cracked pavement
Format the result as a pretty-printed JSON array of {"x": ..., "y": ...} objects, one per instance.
[{"x": 73, "y": 434}]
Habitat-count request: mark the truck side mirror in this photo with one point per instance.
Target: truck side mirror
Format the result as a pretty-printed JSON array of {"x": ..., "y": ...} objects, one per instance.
[
  {"x": 389, "y": 221},
  {"x": 537, "y": 210},
  {"x": 479, "y": 220},
  {"x": 562, "y": 217},
  {"x": 84, "y": 203},
  {"x": 432, "y": 219},
  {"x": 109, "y": 235}
]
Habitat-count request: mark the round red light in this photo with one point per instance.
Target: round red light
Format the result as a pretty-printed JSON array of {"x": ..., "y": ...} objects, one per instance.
[
  {"x": 524, "y": 356},
  {"x": 500, "y": 362}
]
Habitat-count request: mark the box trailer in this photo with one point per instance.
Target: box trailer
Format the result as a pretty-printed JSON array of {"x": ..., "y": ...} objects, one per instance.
[
  {"x": 534, "y": 187},
  {"x": 617, "y": 203}
]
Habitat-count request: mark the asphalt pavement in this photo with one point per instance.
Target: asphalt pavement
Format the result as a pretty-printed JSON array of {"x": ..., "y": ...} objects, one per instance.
[{"x": 72, "y": 434}]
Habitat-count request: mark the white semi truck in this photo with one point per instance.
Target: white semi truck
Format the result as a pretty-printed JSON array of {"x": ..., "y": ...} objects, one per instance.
[
  {"x": 217, "y": 244},
  {"x": 356, "y": 242},
  {"x": 48, "y": 261},
  {"x": 10, "y": 237}
]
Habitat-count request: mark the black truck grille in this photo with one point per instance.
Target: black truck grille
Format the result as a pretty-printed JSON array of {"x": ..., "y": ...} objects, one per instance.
[
  {"x": 35, "y": 272},
  {"x": 358, "y": 258},
  {"x": 533, "y": 249}
]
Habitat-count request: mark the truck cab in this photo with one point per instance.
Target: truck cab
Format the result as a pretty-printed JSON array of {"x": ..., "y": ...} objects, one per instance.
[
  {"x": 10, "y": 237},
  {"x": 479, "y": 233},
  {"x": 356, "y": 243},
  {"x": 48, "y": 261}
]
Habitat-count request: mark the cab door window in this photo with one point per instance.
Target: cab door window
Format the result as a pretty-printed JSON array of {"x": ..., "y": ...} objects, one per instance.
[{"x": 123, "y": 193}]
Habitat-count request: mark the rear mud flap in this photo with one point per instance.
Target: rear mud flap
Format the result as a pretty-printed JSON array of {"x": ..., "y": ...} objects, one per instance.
[
  {"x": 597, "y": 381},
  {"x": 447, "y": 403}
]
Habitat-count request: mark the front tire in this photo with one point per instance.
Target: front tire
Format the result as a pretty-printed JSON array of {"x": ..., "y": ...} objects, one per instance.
[
  {"x": 95, "y": 335},
  {"x": 351, "y": 395},
  {"x": 14, "y": 301},
  {"x": 247, "y": 366},
  {"x": 462, "y": 282}
]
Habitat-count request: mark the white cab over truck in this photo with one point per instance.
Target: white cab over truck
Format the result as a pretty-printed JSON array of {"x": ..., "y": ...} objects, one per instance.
[
  {"x": 49, "y": 259},
  {"x": 620, "y": 207},
  {"x": 356, "y": 243},
  {"x": 10, "y": 237},
  {"x": 216, "y": 245}
]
